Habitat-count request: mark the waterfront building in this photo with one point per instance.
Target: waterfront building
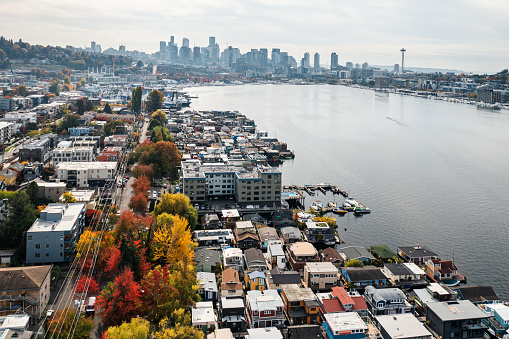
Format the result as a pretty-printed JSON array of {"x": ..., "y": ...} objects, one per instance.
[
  {"x": 300, "y": 253},
  {"x": 478, "y": 294},
  {"x": 456, "y": 319},
  {"x": 401, "y": 326},
  {"x": 442, "y": 270},
  {"x": 52, "y": 238},
  {"x": 404, "y": 272},
  {"x": 290, "y": 235},
  {"x": 419, "y": 255},
  {"x": 320, "y": 232},
  {"x": 364, "y": 276},
  {"x": 358, "y": 253}
]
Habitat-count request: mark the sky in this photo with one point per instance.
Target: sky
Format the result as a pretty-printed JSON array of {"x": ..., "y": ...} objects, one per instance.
[{"x": 468, "y": 35}]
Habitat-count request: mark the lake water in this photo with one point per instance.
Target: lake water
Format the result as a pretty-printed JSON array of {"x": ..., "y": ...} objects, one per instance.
[{"x": 435, "y": 173}]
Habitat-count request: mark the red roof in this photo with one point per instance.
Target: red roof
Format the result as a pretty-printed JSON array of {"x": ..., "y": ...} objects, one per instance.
[
  {"x": 332, "y": 305},
  {"x": 342, "y": 295},
  {"x": 359, "y": 303}
]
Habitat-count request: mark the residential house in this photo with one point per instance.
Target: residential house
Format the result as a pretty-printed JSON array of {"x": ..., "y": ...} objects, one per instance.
[
  {"x": 80, "y": 130},
  {"x": 442, "y": 270},
  {"x": 51, "y": 190},
  {"x": 210, "y": 221},
  {"x": 214, "y": 237},
  {"x": 401, "y": 326},
  {"x": 110, "y": 154},
  {"x": 364, "y": 276},
  {"x": 320, "y": 275},
  {"x": 456, "y": 319},
  {"x": 255, "y": 280},
  {"x": 347, "y": 325},
  {"x": 277, "y": 277},
  {"x": 221, "y": 333},
  {"x": 405, "y": 274},
  {"x": 276, "y": 256},
  {"x": 232, "y": 312},
  {"x": 85, "y": 196},
  {"x": 230, "y": 284},
  {"x": 207, "y": 259},
  {"x": 268, "y": 236},
  {"x": 207, "y": 286},
  {"x": 32, "y": 171},
  {"x": 245, "y": 235},
  {"x": 234, "y": 258},
  {"x": 255, "y": 260},
  {"x": 384, "y": 253},
  {"x": 203, "y": 317},
  {"x": 478, "y": 294},
  {"x": 264, "y": 333},
  {"x": 419, "y": 255},
  {"x": 332, "y": 255},
  {"x": 433, "y": 293},
  {"x": 8, "y": 176},
  {"x": 52, "y": 238},
  {"x": 319, "y": 232},
  {"x": 300, "y": 253},
  {"x": 341, "y": 300},
  {"x": 290, "y": 234},
  {"x": 301, "y": 305},
  {"x": 230, "y": 217},
  {"x": 500, "y": 312},
  {"x": 359, "y": 253},
  {"x": 386, "y": 301},
  {"x": 26, "y": 288},
  {"x": 264, "y": 309}
]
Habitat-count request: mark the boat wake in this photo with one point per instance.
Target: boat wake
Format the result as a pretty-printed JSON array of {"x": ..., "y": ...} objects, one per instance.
[{"x": 396, "y": 121}]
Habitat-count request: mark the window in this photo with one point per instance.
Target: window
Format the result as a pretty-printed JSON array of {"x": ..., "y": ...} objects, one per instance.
[
  {"x": 47, "y": 237},
  {"x": 61, "y": 254},
  {"x": 37, "y": 255},
  {"x": 62, "y": 237},
  {"x": 47, "y": 254},
  {"x": 47, "y": 245},
  {"x": 61, "y": 245},
  {"x": 29, "y": 237},
  {"x": 266, "y": 312},
  {"x": 37, "y": 246}
]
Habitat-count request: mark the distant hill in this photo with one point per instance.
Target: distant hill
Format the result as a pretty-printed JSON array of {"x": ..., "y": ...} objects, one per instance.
[
  {"x": 23, "y": 52},
  {"x": 423, "y": 69}
]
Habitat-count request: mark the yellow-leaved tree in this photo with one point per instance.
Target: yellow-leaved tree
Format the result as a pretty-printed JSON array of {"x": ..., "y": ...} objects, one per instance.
[
  {"x": 177, "y": 204},
  {"x": 172, "y": 240},
  {"x": 137, "y": 328},
  {"x": 178, "y": 326},
  {"x": 68, "y": 198}
]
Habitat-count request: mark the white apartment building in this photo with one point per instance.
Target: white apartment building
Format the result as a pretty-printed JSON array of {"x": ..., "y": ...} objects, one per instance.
[
  {"x": 24, "y": 116},
  {"x": 86, "y": 174},
  {"x": 79, "y": 154},
  {"x": 7, "y": 130}
]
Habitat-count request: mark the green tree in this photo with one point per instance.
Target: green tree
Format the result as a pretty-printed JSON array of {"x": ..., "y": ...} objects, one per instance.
[
  {"x": 114, "y": 127},
  {"x": 54, "y": 86},
  {"x": 160, "y": 133},
  {"x": 22, "y": 215},
  {"x": 136, "y": 99},
  {"x": 139, "y": 64},
  {"x": 107, "y": 108},
  {"x": 155, "y": 100},
  {"x": 354, "y": 263},
  {"x": 68, "y": 121},
  {"x": 177, "y": 204},
  {"x": 33, "y": 192},
  {"x": 81, "y": 106},
  {"x": 160, "y": 116}
]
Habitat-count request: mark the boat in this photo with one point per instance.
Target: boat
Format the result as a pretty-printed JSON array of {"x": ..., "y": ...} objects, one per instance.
[
  {"x": 339, "y": 210},
  {"x": 360, "y": 210},
  {"x": 352, "y": 202},
  {"x": 331, "y": 204}
]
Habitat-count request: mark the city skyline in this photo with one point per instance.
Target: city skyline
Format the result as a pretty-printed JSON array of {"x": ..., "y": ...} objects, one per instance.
[{"x": 462, "y": 35}]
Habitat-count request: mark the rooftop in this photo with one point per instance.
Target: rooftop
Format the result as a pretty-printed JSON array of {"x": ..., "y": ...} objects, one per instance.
[
  {"x": 345, "y": 321},
  {"x": 303, "y": 248},
  {"x": 295, "y": 293},
  {"x": 456, "y": 310},
  {"x": 321, "y": 267},
  {"x": 403, "y": 325},
  {"x": 57, "y": 217},
  {"x": 86, "y": 165}
]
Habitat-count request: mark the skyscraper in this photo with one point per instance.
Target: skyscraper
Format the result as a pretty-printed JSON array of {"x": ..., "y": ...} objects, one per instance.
[
  {"x": 316, "y": 64},
  {"x": 396, "y": 68},
  {"x": 276, "y": 57},
  {"x": 264, "y": 56},
  {"x": 307, "y": 60},
  {"x": 212, "y": 41},
  {"x": 349, "y": 65},
  {"x": 185, "y": 42},
  {"x": 162, "y": 46},
  {"x": 334, "y": 60},
  {"x": 172, "y": 40},
  {"x": 196, "y": 56},
  {"x": 365, "y": 65},
  {"x": 92, "y": 46},
  {"x": 213, "y": 49}
]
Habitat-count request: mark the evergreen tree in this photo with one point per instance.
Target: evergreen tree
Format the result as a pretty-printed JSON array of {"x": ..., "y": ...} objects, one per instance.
[
  {"x": 107, "y": 108},
  {"x": 136, "y": 99}
]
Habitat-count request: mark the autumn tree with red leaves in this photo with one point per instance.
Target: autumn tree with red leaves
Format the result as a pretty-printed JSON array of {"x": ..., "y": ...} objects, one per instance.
[
  {"x": 138, "y": 203},
  {"x": 130, "y": 252},
  {"x": 145, "y": 170},
  {"x": 121, "y": 300},
  {"x": 141, "y": 185},
  {"x": 87, "y": 284}
]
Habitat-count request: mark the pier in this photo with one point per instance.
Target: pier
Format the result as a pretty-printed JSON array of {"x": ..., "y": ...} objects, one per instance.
[{"x": 323, "y": 187}]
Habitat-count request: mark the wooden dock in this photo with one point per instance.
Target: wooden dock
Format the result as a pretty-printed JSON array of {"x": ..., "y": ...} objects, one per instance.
[{"x": 310, "y": 189}]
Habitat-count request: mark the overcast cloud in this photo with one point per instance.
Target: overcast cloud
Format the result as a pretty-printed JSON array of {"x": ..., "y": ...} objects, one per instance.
[{"x": 461, "y": 34}]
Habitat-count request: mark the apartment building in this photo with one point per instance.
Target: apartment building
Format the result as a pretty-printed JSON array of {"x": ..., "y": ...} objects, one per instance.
[
  {"x": 86, "y": 174},
  {"x": 7, "y": 130},
  {"x": 320, "y": 276},
  {"x": 78, "y": 154},
  {"x": 36, "y": 151},
  {"x": 53, "y": 236}
]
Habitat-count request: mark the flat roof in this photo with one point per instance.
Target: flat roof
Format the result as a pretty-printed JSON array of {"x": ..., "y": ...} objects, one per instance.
[
  {"x": 57, "y": 217},
  {"x": 83, "y": 195},
  {"x": 403, "y": 325},
  {"x": 232, "y": 302},
  {"x": 295, "y": 293},
  {"x": 456, "y": 310},
  {"x": 203, "y": 313},
  {"x": 264, "y": 333},
  {"x": 501, "y": 309},
  {"x": 86, "y": 165},
  {"x": 321, "y": 267},
  {"x": 346, "y": 321}
]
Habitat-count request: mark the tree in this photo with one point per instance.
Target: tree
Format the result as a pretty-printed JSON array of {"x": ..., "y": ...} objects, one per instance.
[
  {"x": 160, "y": 133},
  {"x": 66, "y": 88},
  {"x": 33, "y": 192},
  {"x": 354, "y": 263},
  {"x": 81, "y": 106},
  {"x": 63, "y": 325},
  {"x": 54, "y": 86},
  {"x": 144, "y": 170},
  {"x": 88, "y": 105},
  {"x": 159, "y": 116},
  {"x": 138, "y": 203},
  {"x": 136, "y": 99},
  {"x": 69, "y": 121},
  {"x": 114, "y": 127},
  {"x": 177, "y": 204},
  {"x": 138, "y": 328},
  {"x": 120, "y": 300},
  {"x": 48, "y": 172},
  {"x": 68, "y": 198},
  {"x": 178, "y": 326},
  {"x": 22, "y": 215},
  {"x": 141, "y": 184},
  {"x": 88, "y": 285},
  {"x": 131, "y": 253},
  {"x": 21, "y": 90},
  {"x": 155, "y": 100},
  {"x": 107, "y": 108},
  {"x": 173, "y": 241},
  {"x": 139, "y": 64}
]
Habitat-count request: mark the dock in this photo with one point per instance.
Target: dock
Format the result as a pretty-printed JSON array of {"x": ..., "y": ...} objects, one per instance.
[{"x": 323, "y": 187}]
